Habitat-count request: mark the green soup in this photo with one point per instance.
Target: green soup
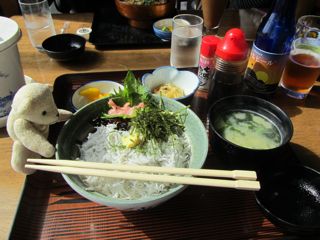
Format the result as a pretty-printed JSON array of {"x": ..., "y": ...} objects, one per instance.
[{"x": 249, "y": 130}]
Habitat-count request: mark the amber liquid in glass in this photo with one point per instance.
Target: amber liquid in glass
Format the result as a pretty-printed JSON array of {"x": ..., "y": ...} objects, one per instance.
[
  {"x": 212, "y": 11},
  {"x": 300, "y": 73}
]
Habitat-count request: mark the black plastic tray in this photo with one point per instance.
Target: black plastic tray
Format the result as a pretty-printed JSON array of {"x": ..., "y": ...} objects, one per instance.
[
  {"x": 50, "y": 209},
  {"x": 111, "y": 30}
]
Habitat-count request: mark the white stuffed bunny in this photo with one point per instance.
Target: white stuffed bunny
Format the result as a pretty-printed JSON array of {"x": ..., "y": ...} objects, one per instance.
[{"x": 33, "y": 110}]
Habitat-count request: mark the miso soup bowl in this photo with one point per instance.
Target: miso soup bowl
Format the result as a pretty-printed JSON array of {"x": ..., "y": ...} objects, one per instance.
[{"x": 234, "y": 156}]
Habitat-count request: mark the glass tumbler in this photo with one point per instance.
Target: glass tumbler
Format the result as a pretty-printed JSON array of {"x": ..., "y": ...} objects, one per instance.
[
  {"x": 303, "y": 66},
  {"x": 38, "y": 20},
  {"x": 186, "y": 40}
]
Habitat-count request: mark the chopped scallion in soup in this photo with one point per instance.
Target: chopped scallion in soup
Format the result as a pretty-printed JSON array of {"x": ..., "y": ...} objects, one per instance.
[{"x": 249, "y": 130}]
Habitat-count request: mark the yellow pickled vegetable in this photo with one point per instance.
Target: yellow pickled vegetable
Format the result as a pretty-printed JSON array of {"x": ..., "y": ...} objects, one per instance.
[
  {"x": 93, "y": 93},
  {"x": 166, "y": 28},
  {"x": 132, "y": 140},
  {"x": 169, "y": 90}
]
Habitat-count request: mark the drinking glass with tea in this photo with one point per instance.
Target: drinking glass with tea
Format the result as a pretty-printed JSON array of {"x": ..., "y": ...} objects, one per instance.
[
  {"x": 303, "y": 66},
  {"x": 212, "y": 11}
]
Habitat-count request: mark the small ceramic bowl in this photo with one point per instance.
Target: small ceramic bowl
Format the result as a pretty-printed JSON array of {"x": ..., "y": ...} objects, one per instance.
[
  {"x": 104, "y": 86},
  {"x": 244, "y": 157},
  {"x": 163, "y": 29},
  {"x": 290, "y": 198},
  {"x": 185, "y": 80},
  {"x": 64, "y": 47},
  {"x": 79, "y": 126}
]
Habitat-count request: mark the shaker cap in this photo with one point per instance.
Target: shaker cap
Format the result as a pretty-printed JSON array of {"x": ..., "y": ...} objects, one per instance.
[
  {"x": 9, "y": 34},
  {"x": 233, "y": 47},
  {"x": 209, "y": 45}
]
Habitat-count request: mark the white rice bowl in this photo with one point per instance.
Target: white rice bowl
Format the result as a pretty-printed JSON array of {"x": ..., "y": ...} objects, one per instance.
[{"x": 189, "y": 150}]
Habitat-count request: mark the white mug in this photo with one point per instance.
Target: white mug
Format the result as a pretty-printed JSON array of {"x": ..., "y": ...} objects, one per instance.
[{"x": 11, "y": 74}]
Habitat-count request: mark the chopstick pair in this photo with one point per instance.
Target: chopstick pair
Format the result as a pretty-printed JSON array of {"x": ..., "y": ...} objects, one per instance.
[{"x": 242, "y": 180}]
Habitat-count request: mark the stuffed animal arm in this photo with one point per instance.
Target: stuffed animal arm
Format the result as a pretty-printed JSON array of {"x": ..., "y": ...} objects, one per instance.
[
  {"x": 33, "y": 110},
  {"x": 37, "y": 143}
]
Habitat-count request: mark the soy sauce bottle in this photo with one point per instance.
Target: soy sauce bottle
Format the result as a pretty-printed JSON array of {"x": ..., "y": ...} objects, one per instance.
[
  {"x": 230, "y": 64},
  {"x": 271, "y": 49}
]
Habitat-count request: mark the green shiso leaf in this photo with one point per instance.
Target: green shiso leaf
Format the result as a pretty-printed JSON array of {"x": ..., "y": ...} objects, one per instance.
[
  {"x": 152, "y": 122},
  {"x": 133, "y": 92},
  {"x": 123, "y": 116}
]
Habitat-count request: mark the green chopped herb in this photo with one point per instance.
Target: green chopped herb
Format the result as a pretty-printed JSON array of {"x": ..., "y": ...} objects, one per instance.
[{"x": 158, "y": 123}]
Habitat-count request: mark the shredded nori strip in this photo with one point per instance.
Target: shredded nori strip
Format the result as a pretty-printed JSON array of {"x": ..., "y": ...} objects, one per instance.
[{"x": 121, "y": 123}]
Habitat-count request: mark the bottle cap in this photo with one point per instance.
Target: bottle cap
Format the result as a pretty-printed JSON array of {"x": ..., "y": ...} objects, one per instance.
[
  {"x": 209, "y": 45},
  {"x": 233, "y": 47},
  {"x": 84, "y": 32}
]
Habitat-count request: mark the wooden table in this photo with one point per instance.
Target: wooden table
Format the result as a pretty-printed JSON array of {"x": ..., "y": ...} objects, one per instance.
[
  {"x": 45, "y": 70},
  {"x": 305, "y": 115}
]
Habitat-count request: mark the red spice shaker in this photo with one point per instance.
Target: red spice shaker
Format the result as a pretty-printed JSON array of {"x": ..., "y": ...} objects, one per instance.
[{"x": 207, "y": 60}]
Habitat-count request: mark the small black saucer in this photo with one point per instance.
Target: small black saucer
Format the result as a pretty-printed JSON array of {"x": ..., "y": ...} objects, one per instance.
[
  {"x": 64, "y": 47},
  {"x": 290, "y": 198}
]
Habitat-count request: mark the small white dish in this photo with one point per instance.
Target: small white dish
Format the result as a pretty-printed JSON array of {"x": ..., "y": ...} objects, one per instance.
[
  {"x": 186, "y": 80},
  {"x": 105, "y": 86}
]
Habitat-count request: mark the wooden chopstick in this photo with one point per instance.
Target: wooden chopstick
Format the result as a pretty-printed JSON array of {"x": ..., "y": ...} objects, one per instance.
[
  {"x": 90, "y": 169},
  {"x": 237, "y": 184},
  {"x": 234, "y": 174}
]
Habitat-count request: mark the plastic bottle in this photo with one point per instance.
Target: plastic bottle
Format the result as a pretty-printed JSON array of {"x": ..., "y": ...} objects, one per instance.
[
  {"x": 231, "y": 61},
  {"x": 271, "y": 48},
  {"x": 207, "y": 60}
]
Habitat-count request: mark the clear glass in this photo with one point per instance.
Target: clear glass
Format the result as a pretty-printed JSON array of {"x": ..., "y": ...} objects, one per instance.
[
  {"x": 186, "y": 40},
  {"x": 303, "y": 66},
  {"x": 38, "y": 21}
]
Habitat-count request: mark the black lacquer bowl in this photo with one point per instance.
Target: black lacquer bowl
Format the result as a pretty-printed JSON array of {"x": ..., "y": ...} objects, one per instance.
[
  {"x": 290, "y": 198},
  {"x": 238, "y": 157},
  {"x": 64, "y": 47}
]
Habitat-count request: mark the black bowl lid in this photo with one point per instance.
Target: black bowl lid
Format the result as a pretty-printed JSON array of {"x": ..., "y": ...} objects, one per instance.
[{"x": 290, "y": 198}]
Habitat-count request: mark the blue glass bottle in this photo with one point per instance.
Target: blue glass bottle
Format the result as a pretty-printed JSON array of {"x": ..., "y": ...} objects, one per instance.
[{"x": 271, "y": 48}]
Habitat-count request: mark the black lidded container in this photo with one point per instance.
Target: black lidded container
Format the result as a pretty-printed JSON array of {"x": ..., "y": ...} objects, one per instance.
[
  {"x": 289, "y": 198},
  {"x": 236, "y": 157}
]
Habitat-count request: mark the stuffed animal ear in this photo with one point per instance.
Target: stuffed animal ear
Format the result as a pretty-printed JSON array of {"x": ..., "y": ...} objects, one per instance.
[{"x": 28, "y": 80}]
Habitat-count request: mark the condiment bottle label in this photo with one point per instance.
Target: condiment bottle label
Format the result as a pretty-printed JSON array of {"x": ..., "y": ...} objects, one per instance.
[
  {"x": 264, "y": 70},
  {"x": 205, "y": 71}
]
